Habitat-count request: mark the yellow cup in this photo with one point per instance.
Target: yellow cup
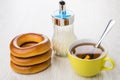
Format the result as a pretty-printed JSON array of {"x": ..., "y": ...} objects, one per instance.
[{"x": 86, "y": 67}]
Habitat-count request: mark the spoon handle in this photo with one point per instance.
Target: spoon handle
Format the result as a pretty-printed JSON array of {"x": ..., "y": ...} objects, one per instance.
[{"x": 107, "y": 29}]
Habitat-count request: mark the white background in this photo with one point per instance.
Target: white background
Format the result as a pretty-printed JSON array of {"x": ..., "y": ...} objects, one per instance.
[{"x": 91, "y": 18}]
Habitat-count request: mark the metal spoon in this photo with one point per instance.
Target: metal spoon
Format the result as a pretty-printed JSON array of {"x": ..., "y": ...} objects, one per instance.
[{"x": 107, "y": 29}]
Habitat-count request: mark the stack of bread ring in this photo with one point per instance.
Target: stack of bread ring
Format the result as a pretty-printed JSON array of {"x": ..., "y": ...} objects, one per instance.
[{"x": 30, "y": 53}]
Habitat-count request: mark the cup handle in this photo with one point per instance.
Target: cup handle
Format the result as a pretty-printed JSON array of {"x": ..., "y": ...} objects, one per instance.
[{"x": 110, "y": 61}]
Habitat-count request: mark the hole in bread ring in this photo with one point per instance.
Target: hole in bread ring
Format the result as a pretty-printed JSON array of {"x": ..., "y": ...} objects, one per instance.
[{"x": 42, "y": 45}]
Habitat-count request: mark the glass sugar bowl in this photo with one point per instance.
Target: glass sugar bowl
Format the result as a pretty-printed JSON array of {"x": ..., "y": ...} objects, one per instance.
[{"x": 63, "y": 30}]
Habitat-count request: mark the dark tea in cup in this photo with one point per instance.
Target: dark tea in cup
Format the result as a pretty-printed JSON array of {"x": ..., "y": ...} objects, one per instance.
[{"x": 86, "y": 51}]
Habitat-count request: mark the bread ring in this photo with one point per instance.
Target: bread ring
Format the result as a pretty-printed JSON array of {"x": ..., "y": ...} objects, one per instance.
[
  {"x": 42, "y": 45},
  {"x": 30, "y": 69},
  {"x": 31, "y": 60}
]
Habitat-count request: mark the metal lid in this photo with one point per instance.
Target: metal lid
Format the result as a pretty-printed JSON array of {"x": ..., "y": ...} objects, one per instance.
[{"x": 62, "y": 17}]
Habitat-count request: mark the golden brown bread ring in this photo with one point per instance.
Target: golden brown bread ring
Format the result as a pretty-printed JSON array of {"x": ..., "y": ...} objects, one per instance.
[
  {"x": 30, "y": 69},
  {"x": 31, "y": 60},
  {"x": 42, "y": 46}
]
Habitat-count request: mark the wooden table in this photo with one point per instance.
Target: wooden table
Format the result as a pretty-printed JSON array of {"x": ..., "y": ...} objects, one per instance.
[{"x": 91, "y": 17}]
